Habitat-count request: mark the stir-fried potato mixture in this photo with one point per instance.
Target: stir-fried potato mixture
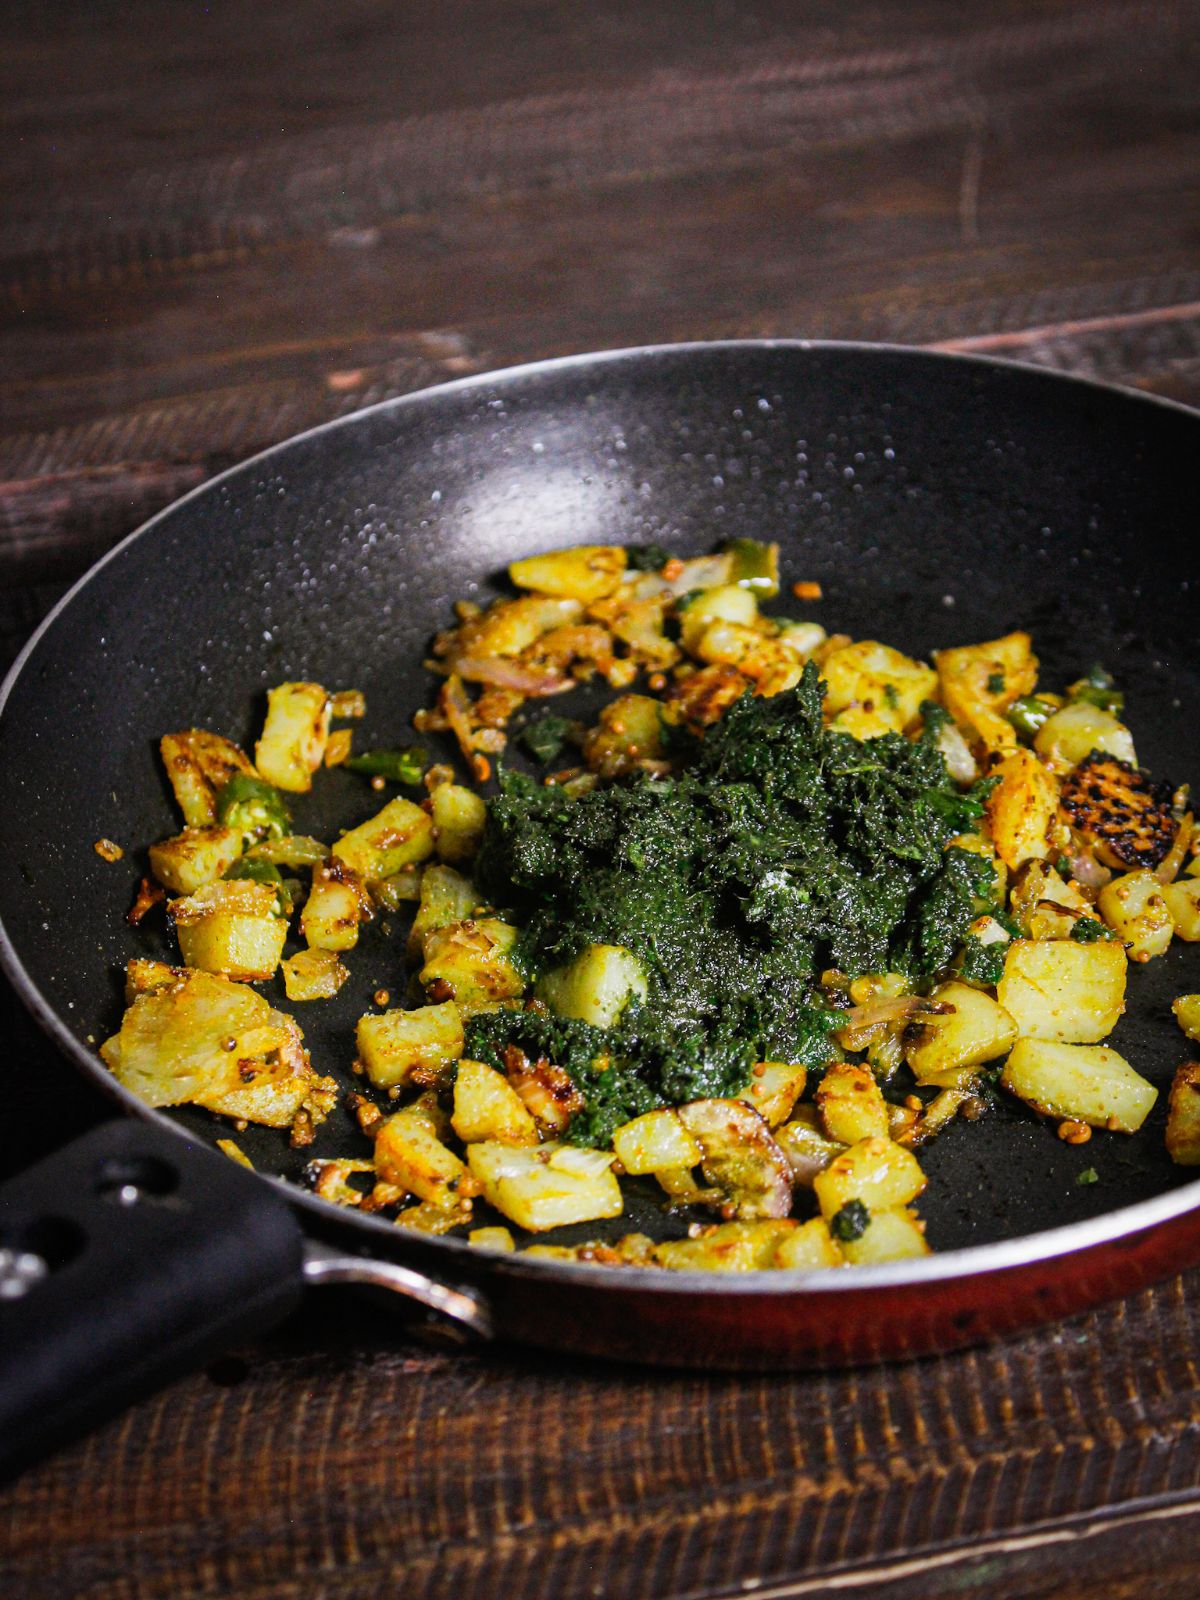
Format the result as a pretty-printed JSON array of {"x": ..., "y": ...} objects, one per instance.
[{"x": 787, "y": 907}]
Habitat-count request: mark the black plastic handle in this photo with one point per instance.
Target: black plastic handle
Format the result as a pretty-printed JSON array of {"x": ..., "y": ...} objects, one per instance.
[{"x": 127, "y": 1259}]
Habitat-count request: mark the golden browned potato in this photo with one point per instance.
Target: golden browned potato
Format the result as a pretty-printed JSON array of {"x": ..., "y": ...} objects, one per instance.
[
  {"x": 1022, "y": 809},
  {"x": 1183, "y": 1116},
  {"x": 1084, "y": 1083},
  {"x": 947, "y": 1048},
  {"x": 294, "y": 735},
  {"x": 231, "y": 928},
  {"x": 1057, "y": 989}
]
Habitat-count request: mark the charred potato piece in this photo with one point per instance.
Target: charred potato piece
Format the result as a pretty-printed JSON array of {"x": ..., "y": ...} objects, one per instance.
[{"x": 1120, "y": 811}]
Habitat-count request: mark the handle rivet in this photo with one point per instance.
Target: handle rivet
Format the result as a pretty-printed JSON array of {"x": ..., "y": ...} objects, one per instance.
[{"x": 19, "y": 1271}]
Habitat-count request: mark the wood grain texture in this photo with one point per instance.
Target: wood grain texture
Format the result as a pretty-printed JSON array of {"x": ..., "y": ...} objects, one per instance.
[{"x": 222, "y": 225}]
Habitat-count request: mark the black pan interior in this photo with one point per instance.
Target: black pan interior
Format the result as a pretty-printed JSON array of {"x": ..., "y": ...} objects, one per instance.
[{"x": 937, "y": 501}]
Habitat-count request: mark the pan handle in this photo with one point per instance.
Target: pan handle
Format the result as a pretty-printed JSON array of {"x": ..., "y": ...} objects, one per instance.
[{"x": 133, "y": 1256}]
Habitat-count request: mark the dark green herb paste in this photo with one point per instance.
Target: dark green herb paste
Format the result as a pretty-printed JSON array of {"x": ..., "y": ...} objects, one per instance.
[{"x": 780, "y": 849}]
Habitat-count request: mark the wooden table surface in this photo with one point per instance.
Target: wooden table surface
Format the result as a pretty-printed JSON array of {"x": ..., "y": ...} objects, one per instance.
[{"x": 223, "y": 223}]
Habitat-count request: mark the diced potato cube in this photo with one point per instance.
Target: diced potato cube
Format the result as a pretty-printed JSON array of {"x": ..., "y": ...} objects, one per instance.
[
  {"x": 979, "y": 681},
  {"x": 878, "y": 680},
  {"x": 231, "y": 929},
  {"x": 977, "y": 1030},
  {"x": 809, "y": 1247},
  {"x": 313, "y": 975},
  {"x": 595, "y": 987},
  {"x": 174, "y": 1038},
  {"x": 876, "y": 1171},
  {"x": 1044, "y": 905},
  {"x": 851, "y": 1106},
  {"x": 1022, "y": 809},
  {"x": 209, "y": 1041},
  {"x": 399, "y": 834},
  {"x": 1183, "y": 902},
  {"x": 773, "y": 1090},
  {"x": 335, "y": 906},
  {"x": 486, "y": 1106},
  {"x": 546, "y": 1187},
  {"x": 863, "y": 722},
  {"x": 458, "y": 816},
  {"x": 1186, "y": 1009},
  {"x": 199, "y": 764},
  {"x": 492, "y": 1239},
  {"x": 808, "y": 1148},
  {"x": 1135, "y": 909},
  {"x": 294, "y": 735},
  {"x": 893, "y": 1233},
  {"x": 734, "y": 647},
  {"x": 415, "y": 1160},
  {"x": 584, "y": 572},
  {"x": 726, "y": 603},
  {"x": 195, "y": 857},
  {"x": 245, "y": 948},
  {"x": 1056, "y": 989},
  {"x": 1064, "y": 739},
  {"x": 802, "y": 637},
  {"x": 728, "y": 1247},
  {"x": 473, "y": 960},
  {"x": 1183, "y": 1116},
  {"x": 1086, "y": 1083},
  {"x": 393, "y": 1045},
  {"x": 446, "y": 897},
  {"x": 279, "y": 1090},
  {"x": 655, "y": 1142},
  {"x": 628, "y": 731},
  {"x": 511, "y": 626}
]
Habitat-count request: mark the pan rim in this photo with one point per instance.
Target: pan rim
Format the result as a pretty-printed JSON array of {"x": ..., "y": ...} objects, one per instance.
[{"x": 1107, "y": 1228}]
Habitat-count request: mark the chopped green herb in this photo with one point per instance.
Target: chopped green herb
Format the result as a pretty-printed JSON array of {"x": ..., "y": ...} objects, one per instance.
[
  {"x": 397, "y": 766},
  {"x": 995, "y": 683},
  {"x": 781, "y": 848},
  {"x": 545, "y": 737},
  {"x": 1063, "y": 866},
  {"x": 850, "y": 1222},
  {"x": 1087, "y": 930},
  {"x": 254, "y": 807},
  {"x": 933, "y": 718},
  {"x": 891, "y": 696},
  {"x": 984, "y": 963},
  {"x": 645, "y": 557},
  {"x": 1088, "y": 1175}
]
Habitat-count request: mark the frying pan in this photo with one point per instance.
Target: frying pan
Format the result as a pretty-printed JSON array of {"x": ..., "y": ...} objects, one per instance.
[{"x": 937, "y": 500}]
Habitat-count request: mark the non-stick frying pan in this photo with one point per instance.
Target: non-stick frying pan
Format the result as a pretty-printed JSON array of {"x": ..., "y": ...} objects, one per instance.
[{"x": 937, "y": 501}]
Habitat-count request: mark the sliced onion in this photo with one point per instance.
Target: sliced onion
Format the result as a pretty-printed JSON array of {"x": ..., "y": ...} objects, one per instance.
[{"x": 504, "y": 673}]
